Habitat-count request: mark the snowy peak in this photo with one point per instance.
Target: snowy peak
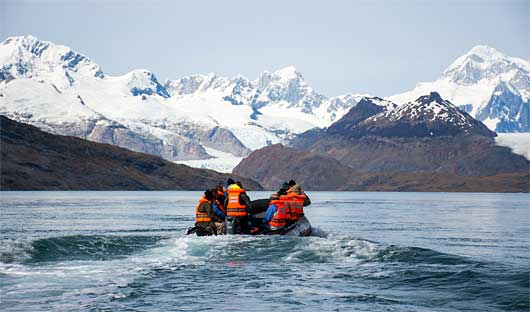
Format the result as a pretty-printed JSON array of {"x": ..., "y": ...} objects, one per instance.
[
  {"x": 483, "y": 62},
  {"x": 286, "y": 88},
  {"x": 207, "y": 84},
  {"x": 485, "y": 52},
  {"x": 365, "y": 108},
  {"x": 142, "y": 81},
  {"x": 506, "y": 110},
  {"x": 184, "y": 85},
  {"x": 287, "y": 74},
  {"x": 282, "y": 89},
  {"x": 427, "y": 108},
  {"x": 26, "y": 57},
  {"x": 386, "y": 105},
  {"x": 430, "y": 115},
  {"x": 475, "y": 82},
  {"x": 282, "y": 76}
]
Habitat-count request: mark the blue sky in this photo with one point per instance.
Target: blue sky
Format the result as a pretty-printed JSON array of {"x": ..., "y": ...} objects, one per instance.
[{"x": 376, "y": 47}]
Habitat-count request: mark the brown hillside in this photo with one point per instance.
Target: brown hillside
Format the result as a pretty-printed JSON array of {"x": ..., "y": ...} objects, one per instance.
[{"x": 35, "y": 160}]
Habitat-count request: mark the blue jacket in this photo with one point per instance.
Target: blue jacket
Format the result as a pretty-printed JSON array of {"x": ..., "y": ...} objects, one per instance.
[
  {"x": 218, "y": 211},
  {"x": 270, "y": 213}
]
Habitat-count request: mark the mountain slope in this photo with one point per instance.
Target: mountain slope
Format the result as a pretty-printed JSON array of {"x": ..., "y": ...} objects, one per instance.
[
  {"x": 429, "y": 134},
  {"x": 491, "y": 86},
  {"x": 35, "y": 160},
  {"x": 274, "y": 164}
]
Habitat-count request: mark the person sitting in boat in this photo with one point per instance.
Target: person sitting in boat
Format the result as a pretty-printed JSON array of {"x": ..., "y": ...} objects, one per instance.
[
  {"x": 291, "y": 184},
  {"x": 296, "y": 201},
  {"x": 277, "y": 214},
  {"x": 237, "y": 205},
  {"x": 229, "y": 182},
  {"x": 218, "y": 208},
  {"x": 205, "y": 217},
  {"x": 221, "y": 196}
]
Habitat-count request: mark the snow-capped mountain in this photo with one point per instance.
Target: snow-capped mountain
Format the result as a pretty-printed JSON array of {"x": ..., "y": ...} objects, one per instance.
[
  {"x": 207, "y": 120},
  {"x": 213, "y": 121},
  {"x": 281, "y": 101},
  {"x": 489, "y": 85},
  {"x": 365, "y": 108},
  {"x": 427, "y": 116},
  {"x": 27, "y": 57}
]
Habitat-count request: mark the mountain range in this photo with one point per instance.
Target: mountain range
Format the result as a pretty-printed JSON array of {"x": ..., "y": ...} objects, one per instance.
[
  {"x": 424, "y": 145},
  {"x": 212, "y": 121},
  {"x": 493, "y": 87},
  {"x": 193, "y": 118}
]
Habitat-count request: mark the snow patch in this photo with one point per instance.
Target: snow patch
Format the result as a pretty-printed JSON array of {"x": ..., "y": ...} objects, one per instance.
[
  {"x": 223, "y": 162},
  {"x": 518, "y": 142}
]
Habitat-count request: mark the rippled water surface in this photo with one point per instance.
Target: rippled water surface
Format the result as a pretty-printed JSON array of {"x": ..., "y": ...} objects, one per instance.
[{"x": 126, "y": 251}]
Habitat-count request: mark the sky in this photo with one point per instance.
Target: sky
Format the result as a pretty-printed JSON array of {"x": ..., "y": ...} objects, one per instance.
[{"x": 375, "y": 47}]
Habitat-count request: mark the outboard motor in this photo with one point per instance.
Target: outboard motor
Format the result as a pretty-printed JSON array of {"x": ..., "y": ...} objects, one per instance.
[{"x": 231, "y": 225}]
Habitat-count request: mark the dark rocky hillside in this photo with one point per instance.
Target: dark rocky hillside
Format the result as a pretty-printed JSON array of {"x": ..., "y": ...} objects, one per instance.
[
  {"x": 35, "y": 160},
  {"x": 273, "y": 164},
  {"x": 466, "y": 156}
]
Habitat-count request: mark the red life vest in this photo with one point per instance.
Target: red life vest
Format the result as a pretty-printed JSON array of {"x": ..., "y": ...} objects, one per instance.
[
  {"x": 233, "y": 207},
  {"x": 199, "y": 215},
  {"x": 296, "y": 205},
  {"x": 280, "y": 217}
]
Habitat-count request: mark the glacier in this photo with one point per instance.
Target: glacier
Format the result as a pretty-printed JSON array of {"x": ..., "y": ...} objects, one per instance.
[{"x": 207, "y": 119}]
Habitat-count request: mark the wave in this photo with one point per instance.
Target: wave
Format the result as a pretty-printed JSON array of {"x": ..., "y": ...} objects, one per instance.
[
  {"x": 323, "y": 247},
  {"x": 417, "y": 255},
  {"x": 145, "y": 263},
  {"x": 74, "y": 247}
]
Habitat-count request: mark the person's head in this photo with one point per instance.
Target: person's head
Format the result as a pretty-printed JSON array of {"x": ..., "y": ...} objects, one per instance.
[
  {"x": 229, "y": 182},
  {"x": 285, "y": 185},
  {"x": 292, "y": 183},
  {"x": 282, "y": 191},
  {"x": 208, "y": 195},
  {"x": 214, "y": 192},
  {"x": 238, "y": 183},
  {"x": 296, "y": 189},
  {"x": 219, "y": 188}
]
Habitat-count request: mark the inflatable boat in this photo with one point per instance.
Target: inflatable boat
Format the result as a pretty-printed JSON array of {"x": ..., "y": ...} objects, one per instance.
[{"x": 301, "y": 227}]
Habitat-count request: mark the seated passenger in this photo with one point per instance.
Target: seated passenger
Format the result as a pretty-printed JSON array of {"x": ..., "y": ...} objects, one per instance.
[
  {"x": 205, "y": 217},
  {"x": 277, "y": 214},
  {"x": 229, "y": 182},
  {"x": 292, "y": 184},
  {"x": 217, "y": 206},
  {"x": 237, "y": 204},
  {"x": 220, "y": 191},
  {"x": 296, "y": 201}
]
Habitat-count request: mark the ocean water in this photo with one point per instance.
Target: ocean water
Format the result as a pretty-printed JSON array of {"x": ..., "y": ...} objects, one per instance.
[{"x": 127, "y": 251}]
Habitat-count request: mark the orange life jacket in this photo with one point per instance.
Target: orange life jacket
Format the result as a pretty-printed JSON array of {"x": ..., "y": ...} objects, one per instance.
[
  {"x": 233, "y": 207},
  {"x": 220, "y": 204},
  {"x": 199, "y": 215},
  {"x": 280, "y": 217},
  {"x": 296, "y": 205}
]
